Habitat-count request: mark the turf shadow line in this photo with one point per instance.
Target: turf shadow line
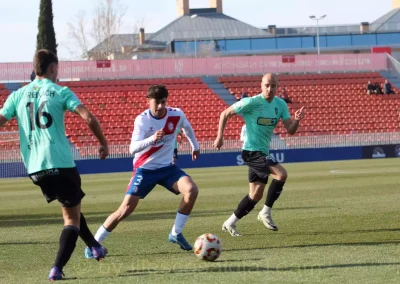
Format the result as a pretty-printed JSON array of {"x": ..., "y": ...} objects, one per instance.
[
  {"x": 28, "y": 243},
  {"x": 48, "y": 219},
  {"x": 259, "y": 268},
  {"x": 321, "y": 245}
]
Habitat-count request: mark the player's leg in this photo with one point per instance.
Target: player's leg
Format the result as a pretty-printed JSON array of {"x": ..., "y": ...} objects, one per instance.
[
  {"x": 67, "y": 243},
  {"x": 126, "y": 208},
  {"x": 279, "y": 175},
  {"x": 72, "y": 179},
  {"x": 245, "y": 206},
  {"x": 69, "y": 196},
  {"x": 258, "y": 178},
  {"x": 94, "y": 249},
  {"x": 177, "y": 181},
  {"x": 139, "y": 186},
  {"x": 175, "y": 158},
  {"x": 57, "y": 184}
]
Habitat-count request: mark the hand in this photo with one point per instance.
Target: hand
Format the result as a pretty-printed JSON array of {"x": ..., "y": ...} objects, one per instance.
[
  {"x": 158, "y": 135},
  {"x": 299, "y": 114},
  {"x": 195, "y": 154},
  {"x": 218, "y": 143},
  {"x": 103, "y": 152}
]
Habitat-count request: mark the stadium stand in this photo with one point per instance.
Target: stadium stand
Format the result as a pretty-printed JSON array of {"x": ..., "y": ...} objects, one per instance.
[
  {"x": 336, "y": 104},
  {"x": 10, "y": 141},
  {"x": 117, "y": 103}
]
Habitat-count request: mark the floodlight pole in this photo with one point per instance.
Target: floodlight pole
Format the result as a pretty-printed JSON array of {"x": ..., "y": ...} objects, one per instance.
[
  {"x": 317, "y": 19},
  {"x": 195, "y": 34}
]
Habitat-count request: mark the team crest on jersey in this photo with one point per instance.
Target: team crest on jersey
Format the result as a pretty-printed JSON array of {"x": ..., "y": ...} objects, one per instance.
[
  {"x": 276, "y": 111},
  {"x": 170, "y": 126}
]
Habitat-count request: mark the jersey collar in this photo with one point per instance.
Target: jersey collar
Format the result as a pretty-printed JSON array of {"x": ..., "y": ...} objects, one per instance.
[{"x": 158, "y": 118}]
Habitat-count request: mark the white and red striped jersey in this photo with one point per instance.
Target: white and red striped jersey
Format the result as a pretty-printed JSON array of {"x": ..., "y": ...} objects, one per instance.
[{"x": 150, "y": 155}]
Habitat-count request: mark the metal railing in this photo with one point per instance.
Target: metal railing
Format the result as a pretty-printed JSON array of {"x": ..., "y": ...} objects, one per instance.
[
  {"x": 393, "y": 66},
  {"x": 293, "y": 142}
]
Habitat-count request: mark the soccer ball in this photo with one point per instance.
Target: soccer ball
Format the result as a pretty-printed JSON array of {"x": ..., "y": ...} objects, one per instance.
[{"x": 207, "y": 247}]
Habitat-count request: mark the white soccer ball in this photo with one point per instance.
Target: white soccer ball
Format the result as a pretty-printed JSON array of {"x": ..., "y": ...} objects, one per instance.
[{"x": 207, "y": 247}]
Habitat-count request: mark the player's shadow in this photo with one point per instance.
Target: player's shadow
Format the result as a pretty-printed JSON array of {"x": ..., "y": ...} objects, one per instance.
[
  {"x": 26, "y": 220},
  {"x": 27, "y": 243},
  {"x": 319, "y": 245},
  {"x": 301, "y": 208},
  {"x": 239, "y": 260},
  {"x": 69, "y": 278},
  {"x": 255, "y": 268},
  {"x": 343, "y": 232}
]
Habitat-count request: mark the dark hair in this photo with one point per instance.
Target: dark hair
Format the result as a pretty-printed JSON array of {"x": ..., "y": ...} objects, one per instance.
[
  {"x": 42, "y": 60},
  {"x": 157, "y": 92}
]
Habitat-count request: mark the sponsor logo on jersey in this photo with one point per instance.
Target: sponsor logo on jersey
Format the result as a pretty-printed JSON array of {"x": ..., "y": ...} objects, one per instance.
[{"x": 264, "y": 121}]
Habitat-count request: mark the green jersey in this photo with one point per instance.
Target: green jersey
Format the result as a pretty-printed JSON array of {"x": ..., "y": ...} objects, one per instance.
[
  {"x": 176, "y": 140},
  {"x": 261, "y": 118},
  {"x": 39, "y": 108}
]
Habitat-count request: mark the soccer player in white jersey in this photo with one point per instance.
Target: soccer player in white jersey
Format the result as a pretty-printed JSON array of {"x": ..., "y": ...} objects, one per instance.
[
  {"x": 152, "y": 143},
  {"x": 243, "y": 134}
]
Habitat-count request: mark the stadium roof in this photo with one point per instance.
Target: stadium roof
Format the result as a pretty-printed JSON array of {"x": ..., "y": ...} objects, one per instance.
[
  {"x": 118, "y": 41},
  {"x": 208, "y": 24},
  {"x": 205, "y": 23},
  {"x": 387, "y": 22}
]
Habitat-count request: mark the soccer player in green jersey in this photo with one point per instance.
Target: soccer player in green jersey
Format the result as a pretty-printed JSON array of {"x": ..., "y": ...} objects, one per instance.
[
  {"x": 178, "y": 141},
  {"x": 261, "y": 114},
  {"x": 39, "y": 108}
]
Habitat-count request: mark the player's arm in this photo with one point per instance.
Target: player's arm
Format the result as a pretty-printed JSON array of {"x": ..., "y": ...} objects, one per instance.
[
  {"x": 223, "y": 120},
  {"x": 3, "y": 120},
  {"x": 179, "y": 137},
  {"x": 191, "y": 137},
  {"x": 138, "y": 141},
  {"x": 95, "y": 127},
  {"x": 7, "y": 112},
  {"x": 292, "y": 125},
  {"x": 243, "y": 106},
  {"x": 74, "y": 105}
]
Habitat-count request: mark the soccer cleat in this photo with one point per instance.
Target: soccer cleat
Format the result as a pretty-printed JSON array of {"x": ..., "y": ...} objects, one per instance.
[
  {"x": 55, "y": 274},
  {"x": 266, "y": 219},
  {"x": 180, "y": 240},
  {"x": 96, "y": 252},
  {"x": 231, "y": 229}
]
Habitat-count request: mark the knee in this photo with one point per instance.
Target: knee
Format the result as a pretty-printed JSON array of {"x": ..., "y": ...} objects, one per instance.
[
  {"x": 257, "y": 195},
  {"x": 192, "y": 191},
  {"x": 282, "y": 176}
]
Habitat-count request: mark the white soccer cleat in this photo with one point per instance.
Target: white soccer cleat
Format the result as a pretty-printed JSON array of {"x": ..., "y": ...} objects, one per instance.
[
  {"x": 231, "y": 229},
  {"x": 266, "y": 219}
]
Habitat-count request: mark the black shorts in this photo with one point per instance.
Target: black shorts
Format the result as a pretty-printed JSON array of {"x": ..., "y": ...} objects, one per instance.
[
  {"x": 175, "y": 153},
  {"x": 63, "y": 184},
  {"x": 258, "y": 164}
]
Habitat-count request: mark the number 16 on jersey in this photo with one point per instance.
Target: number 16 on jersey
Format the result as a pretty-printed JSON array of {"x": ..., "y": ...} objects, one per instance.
[{"x": 35, "y": 119}]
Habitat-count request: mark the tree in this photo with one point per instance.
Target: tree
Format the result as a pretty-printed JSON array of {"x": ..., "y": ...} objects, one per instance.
[
  {"x": 46, "y": 37},
  {"x": 78, "y": 32},
  {"x": 107, "y": 21}
]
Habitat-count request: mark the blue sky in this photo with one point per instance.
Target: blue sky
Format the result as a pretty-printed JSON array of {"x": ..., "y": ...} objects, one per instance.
[{"x": 18, "y": 21}]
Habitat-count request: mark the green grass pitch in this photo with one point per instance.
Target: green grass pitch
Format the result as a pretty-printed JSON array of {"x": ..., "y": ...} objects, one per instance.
[{"x": 339, "y": 222}]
